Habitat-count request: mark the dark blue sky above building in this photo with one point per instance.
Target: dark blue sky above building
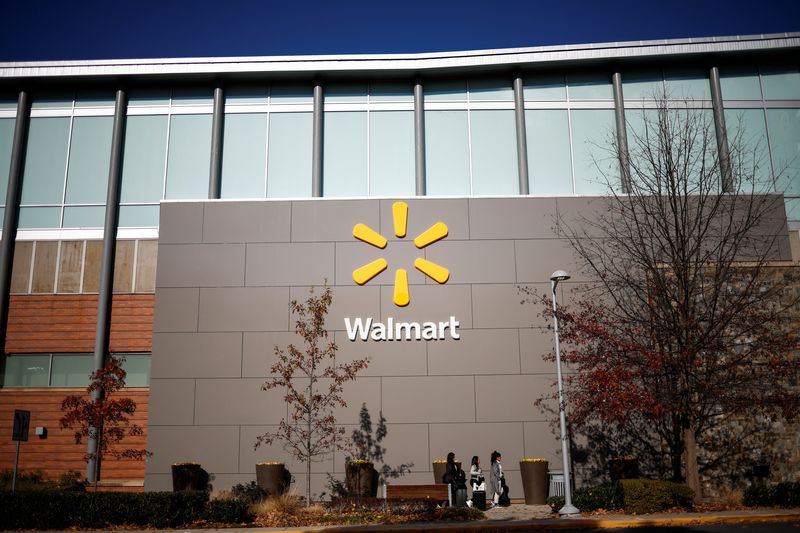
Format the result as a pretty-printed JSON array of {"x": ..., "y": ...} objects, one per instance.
[{"x": 90, "y": 29}]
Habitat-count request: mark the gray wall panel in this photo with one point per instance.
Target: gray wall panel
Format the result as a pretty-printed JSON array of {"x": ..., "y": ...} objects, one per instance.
[
  {"x": 479, "y": 351},
  {"x": 200, "y": 265},
  {"x": 429, "y": 399},
  {"x": 180, "y": 222},
  {"x": 331, "y": 220},
  {"x": 534, "y": 344},
  {"x": 244, "y": 309},
  {"x": 541, "y": 440},
  {"x": 236, "y": 402},
  {"x": 390, "y": 358},
  {"x": 479, "y": 439},
  {"x": 475, "y": 261},
  {"x": 171, "y": 402},
  {"x": 215, "y": 448},
  {"x": 176, "y": 310},
  {"x": 265, "y": 221},
  {"x": 197, "y": 355},
  {"x": 499, "y": 306},
  {"x": 430, "y": 303},
  {"x": 283, "y": 264},
  {"x": 347, "y": 302},
  {"x": 352, "y": 255},
  {"x": 509, "y": 398},
  {"x": 258, "y": 351},
  {"x": 537, "y": 259},
  {"x": 248, "y": 456},
  {"x": 512, "y": 218}
]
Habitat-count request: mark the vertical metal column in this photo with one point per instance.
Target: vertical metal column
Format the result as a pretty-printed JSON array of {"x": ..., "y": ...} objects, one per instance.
[
  {"x": 104, "y": 299},
  {"x": 13, "y": 193},
  {"x": 522, "y": 136},
  {"x": 316, "y": 150},
  {"x": 217, "y": 133},
  {"x": 721, "y": 130},
  {"x": 622, "y": 133},
  {"x": 419, "y": 138}
]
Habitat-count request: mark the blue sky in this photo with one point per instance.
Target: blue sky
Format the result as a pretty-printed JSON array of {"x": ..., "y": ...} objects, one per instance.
[{"x": 90, "y": 29}]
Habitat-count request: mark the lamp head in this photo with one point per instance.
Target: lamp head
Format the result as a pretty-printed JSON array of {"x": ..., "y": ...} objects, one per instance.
[{"x": 559, "y": 275}]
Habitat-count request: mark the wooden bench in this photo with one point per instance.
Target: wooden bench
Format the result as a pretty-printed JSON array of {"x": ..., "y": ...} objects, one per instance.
[{"x": 439, "y": 492}]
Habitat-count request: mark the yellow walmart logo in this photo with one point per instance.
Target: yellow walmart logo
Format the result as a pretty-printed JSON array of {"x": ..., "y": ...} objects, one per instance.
[{"x": 366, "y": 234}]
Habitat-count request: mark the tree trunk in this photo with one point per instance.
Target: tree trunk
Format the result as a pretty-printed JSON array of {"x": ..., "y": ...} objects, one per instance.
[{"x": 690, "y": 451}]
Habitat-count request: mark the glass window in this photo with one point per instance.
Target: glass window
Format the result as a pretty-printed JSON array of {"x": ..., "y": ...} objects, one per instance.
[
  {"x": 595, "y": 163},
  {"x": 687, "y": 85},
  {"x": 244, "y": 156},
  {"x": 391, "y": 153},
  {"x": 739, "y": 84},
  {"x": 545, "y": 88},
  {"x": 137, "y": 367},
  {"x": 52, "y": 100},
  {"x": 643, "y": 85},
  {"x": 6, "y": 143},
  {"x": 84, "y": 217},
  {"x": 748, "y": 130},
  {"x": 7, "y": 101},
  {"x": 189, "y": 156},
  {"x": 494, "y": 152},
  {"x": 589, "y": 86},
  {"x": 447, "y": 153},
  {"x": 39, "y": 217},
  {"x": 246, "y": 94},
  {"x": 95, "y": 99},
  {"x": 72, "y": 370},
  {"x": 148, "y": 97},
  {"x": 792, "y": 208},
  {"x": 784, "y": 132},
  {"x": 491, "y": 90},
  {"x": 143, "y": 164},
  {"x": 445, "y": 91},
  {"x": 781, "y": 84},
  {"x": 289, "y": 158},
  {"x": 192, "y": 96},
  {"x": 45, "y": 161},
  {"x": 345, "y": 155},
  {"x": 138, "y": 216},
  {"x": 26, "y": 370},
  {"x": 549, "y": 162},
  {"x": 345, "y": 92},
  {"x": 89, "y": 155},
  {"x": 386, "y": 91},
  {"x": 291, "y": 93}
]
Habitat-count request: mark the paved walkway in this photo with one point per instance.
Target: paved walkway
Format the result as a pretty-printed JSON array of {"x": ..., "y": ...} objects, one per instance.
[{"x": 518, "y": 518}]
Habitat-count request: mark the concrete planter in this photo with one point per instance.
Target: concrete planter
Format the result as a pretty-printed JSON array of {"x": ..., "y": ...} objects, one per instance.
[
  {"x": 534, "y": 481},
  {"x": 273, "y": 478},
  {"x": 361, "y": 479},
  {"x": 188, "y": 476}
]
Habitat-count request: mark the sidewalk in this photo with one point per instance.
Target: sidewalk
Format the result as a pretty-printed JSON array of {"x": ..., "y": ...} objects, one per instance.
[{"x": 520, "y": 518}]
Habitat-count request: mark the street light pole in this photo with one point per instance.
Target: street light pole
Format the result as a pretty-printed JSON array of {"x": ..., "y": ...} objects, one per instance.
[{"x": 568, "y": 509}]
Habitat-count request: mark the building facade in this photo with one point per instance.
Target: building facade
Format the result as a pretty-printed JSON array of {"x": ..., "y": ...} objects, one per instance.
[{"x": 242, "y": 180}]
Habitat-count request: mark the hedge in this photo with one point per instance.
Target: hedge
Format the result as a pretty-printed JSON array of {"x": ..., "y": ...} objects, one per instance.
[
  {"x": 60, "y": 510},
  {"x": 782, "y": 495},
  {"x": 635, "y": 496}
]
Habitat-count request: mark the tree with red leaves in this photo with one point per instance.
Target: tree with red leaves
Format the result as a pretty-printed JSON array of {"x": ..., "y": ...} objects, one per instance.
[
  {"x": 106, "y": 418},
  {"x": 313, "y": 382},
  {"x": 684, "y": 340}
]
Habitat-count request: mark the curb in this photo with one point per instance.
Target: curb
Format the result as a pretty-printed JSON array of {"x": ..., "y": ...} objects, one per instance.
[{"x": 560, "y": 524}]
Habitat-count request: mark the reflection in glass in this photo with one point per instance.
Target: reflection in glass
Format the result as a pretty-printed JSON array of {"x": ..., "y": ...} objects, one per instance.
[
  {"x": 494, "y": 152},
  {"x": 447, "y": 153},
  {"x": 345, "y": 155}
]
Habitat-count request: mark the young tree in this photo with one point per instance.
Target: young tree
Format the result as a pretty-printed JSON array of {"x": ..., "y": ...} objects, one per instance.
[
  {"x": 684, "y": 328},
  {"x": 313, "y": 382},
  {"x": 368, "y": 447},
  {"x": 108, "y": 419}
]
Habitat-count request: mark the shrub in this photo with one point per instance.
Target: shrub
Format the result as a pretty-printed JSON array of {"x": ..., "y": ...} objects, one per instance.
[
  {"x": 355, "y": 504},
  {"x": 288, "y": 504},
  {"x": 229, "y": 511},
  {"x": 34, "y": 481},
  {"x": 636, "y": 496},
  {"x": 248, "y": 492},
  {"x": 641, "y": 496},
  {"x": 460, "y": 514},
  {"x": 785, "y": 494},
  {"x": 97, "y": 510}
]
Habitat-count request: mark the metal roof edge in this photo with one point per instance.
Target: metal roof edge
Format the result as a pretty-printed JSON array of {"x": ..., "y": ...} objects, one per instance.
[{"x": 392, "y": 62}]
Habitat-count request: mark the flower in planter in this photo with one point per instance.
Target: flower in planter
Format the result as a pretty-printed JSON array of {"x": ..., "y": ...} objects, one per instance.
[
  {"x": 358, "y": 461},
  {"x": 534, "y": 460},
  {"x": 269, "y": 463},
  {"x": 186, "y": 463},
  {"x": 442, "y": 461}
]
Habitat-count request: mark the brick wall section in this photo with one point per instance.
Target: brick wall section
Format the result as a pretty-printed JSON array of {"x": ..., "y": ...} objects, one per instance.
[
  {"x": 58, "y": 453},
  {"x": 66, "y": 323}
]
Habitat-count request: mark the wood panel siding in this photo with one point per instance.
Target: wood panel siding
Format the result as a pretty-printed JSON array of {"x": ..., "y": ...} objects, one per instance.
[
  {"x": 59, "y": 453},
  {"x": 66, "y": 323}
]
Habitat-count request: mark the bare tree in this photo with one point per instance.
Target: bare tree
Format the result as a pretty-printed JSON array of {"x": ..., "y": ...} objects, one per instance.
[
  {"x": 684, "y": 326},
  {"x": 313, "y": 382}
]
